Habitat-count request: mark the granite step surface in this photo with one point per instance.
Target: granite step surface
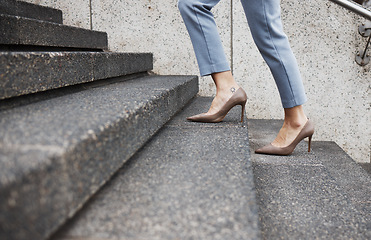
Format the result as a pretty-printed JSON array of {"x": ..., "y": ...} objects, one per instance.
[
  {"x": 15, "y": 30},
  {"x": 191, "y": 181},
  {"x": 323, "y": 194},
  {"x": 367, "y": 167},
  {"x": 29, "y": 72},
  {"x": 55, "y": 154},
  {"x": 29, "y": 10}
]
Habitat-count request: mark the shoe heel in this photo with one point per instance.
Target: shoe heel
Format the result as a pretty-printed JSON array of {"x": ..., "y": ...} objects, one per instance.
[
  {"x": 243, "y": 111},
  {"x": 309, "y": 142}
]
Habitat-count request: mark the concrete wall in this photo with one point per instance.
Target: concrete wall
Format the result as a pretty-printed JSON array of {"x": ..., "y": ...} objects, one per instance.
[
  {"x": 323, "y": 36},
  {"x": 75, "y": 12}
]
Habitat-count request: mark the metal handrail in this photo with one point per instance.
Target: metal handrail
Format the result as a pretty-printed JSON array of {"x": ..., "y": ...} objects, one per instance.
[{"x": 354, "y": 7}]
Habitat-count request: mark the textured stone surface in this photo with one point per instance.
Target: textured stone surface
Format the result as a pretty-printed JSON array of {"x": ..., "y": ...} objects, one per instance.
[
  {"x": 25, "y": 31},
  {"x": 324, "y": 38},
  {"x": 56, "y": 153},
  {"x": 349, "y": 175},
  {"x": 23, "y": 9},
  {"x": 367, "y": 167},
  {"x": 75, "y": 12},
  {"x": 319, "y": 195},
  {"x": 191, "y": 181},
  {"x": 29, "y": 72}
]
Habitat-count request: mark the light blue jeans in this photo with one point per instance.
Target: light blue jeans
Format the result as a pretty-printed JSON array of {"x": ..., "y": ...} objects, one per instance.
[{"x": 264, "y": 19}]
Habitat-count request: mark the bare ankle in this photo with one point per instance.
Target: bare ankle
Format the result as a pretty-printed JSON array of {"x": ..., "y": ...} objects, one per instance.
[
  {"x": 294, "y": 124},
  {"x": 295, "y": 117},
  {"x": 224, "y": 81}
]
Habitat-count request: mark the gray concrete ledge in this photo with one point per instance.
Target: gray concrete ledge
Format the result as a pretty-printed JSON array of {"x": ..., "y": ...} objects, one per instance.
[
  {"x": 29, "y": 72},
  {"x": 191, "y": 181},
  {"x": 367, "y": 167},
  {"x": 26, "y": 31},
  {"x": 319, "y": 195},
  {"x": 29, "y": 10},
  {"x": 55, "y": 154}
]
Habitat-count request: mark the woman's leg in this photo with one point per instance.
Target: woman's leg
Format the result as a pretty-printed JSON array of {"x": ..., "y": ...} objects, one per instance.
[
  {"x": 264, "y": 18},
  {"x": 295, "y": 119},
  {"x": 204, "y": 35},
  {"x": 225, "y": 84},
  {"x": 208, "y": 48}
]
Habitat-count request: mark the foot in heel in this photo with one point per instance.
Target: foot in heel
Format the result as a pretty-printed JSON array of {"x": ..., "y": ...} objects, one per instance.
[
  {"x": 238, "y": 97},
  {"x": 306, "y": 131}
]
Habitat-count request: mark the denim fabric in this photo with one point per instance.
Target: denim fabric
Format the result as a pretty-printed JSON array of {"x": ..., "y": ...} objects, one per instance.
[{"x": 264, "y": 19}]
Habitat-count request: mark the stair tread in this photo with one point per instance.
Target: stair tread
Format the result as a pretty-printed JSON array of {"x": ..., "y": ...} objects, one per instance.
[
  {"x": 67, "y": 147},
  {"x": 29, "y": 10},
  {"x": 16, "y": 30},
  {"x": 191, "y": 181},
  {"x": 30, "y": 72},
  {"x": 323, "y": 194}
]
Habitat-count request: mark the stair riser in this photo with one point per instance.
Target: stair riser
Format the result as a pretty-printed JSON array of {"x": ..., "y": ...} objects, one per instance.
[
  {"x": 25, "y": 31},
  {"x": 29, "y": 10},
  {"x": 25, "y": 73},
  {"x": 32, "y": 48},
  {"x": 191, "y": 181},
  {"x": 82, "y": 168},
  {"x": 36, "y": 202}
]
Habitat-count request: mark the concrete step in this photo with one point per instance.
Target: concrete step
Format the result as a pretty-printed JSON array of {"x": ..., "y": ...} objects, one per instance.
[
  {"x": 30, "y": 72},
  {"x": 367, "y": 167},
  {"x": 15, "y": 30},
  {"x": 191, "y": 181},
  {"x": 319, "y": 195},
  {"x": 55, "y": 154},
  {"x": 29, "y": 10}
]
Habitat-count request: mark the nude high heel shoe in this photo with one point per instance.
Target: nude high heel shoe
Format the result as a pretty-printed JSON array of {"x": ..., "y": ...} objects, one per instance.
[
  {"x": 307, "y": 131},
  {"x": 238, "y": 98}
]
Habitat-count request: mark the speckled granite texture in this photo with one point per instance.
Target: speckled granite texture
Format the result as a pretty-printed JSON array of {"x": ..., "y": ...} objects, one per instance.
[
  {"x": 56, "y": 153},
  {"x": 367, "y": 167},
  {"x": 191, "y": 181},
  {"x": 75, "y": 12},
  {"x": 23, "y": 9},
  {"x": 323, "y": 194},
  {"x": 324, "y": 38},
  {"x": 25, "y": 31},
  {"x": 29, "y": 72}
]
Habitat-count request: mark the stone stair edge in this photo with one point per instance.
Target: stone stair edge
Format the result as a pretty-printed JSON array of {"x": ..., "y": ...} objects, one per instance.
[
  {"x": 55, "y": 149},
  {"x": 17, "y": 30},
  {"x": 185, "y": 162},
  {"x": 30, "y": 10},
  {"x": 31, "y": 72},
  {"x": 349, "y": 174},
  {"x": 57, "y": 201},
  {"x": 333, "y": 183},
  {"x": 338, "y": 159}
]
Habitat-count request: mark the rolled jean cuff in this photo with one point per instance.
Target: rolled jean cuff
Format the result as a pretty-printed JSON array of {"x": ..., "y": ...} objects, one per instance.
[
  {"x": 295, "y": 102},
  {"x": 214, "y": 68}
]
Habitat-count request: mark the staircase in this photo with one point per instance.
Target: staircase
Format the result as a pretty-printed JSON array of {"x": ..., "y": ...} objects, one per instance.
[
  {"x": 70, "y": 115},
  {"x": 188, "y": 182},
  {"x": 93, "y": 146},
  {"x": 323, "y": 194}
]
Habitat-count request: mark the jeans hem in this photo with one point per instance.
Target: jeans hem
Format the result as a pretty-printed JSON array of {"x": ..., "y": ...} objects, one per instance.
[
  {"x": 294, "y": 102},
  {"x": 215, "y": 68}
]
